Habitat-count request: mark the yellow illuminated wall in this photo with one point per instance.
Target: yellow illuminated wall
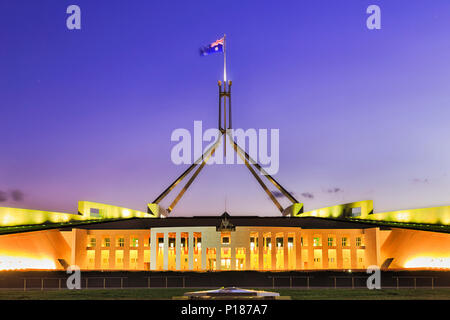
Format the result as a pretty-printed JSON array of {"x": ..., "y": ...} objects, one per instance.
[
  {"x": 106, "y": 211},
  {"x": 341, "y": 210},
  {"x": 416, "y": 249},
  {"x": 19, "y": 217},
  {"x": 34, "y": 250},
  {"x": 10, "y": 217},
  {"x": 434, "y": 215}
]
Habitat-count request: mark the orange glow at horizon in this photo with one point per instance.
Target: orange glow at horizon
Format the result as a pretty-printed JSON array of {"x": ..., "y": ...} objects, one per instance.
[
  {"x": 23, "y": 263},
  {"x": 429, "y": 262}
]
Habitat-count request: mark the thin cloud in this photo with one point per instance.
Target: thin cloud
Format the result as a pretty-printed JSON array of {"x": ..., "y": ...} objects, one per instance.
[
  {"x": 334, "y": 190},
  {"x": 3, "y": 196},
  {"x": 279, "y": 194},
  {"x": 17, "y": 195},
  {"x": 420, "y": 180},
  {"x": 307, "y": 195}
]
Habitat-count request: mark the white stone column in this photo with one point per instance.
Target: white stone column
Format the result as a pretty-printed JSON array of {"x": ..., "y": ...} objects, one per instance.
[
  {"x": 260, "y": 251},
  {"x": 274, "y": 251},
  {"x": 247, "y": 253},
  {"x": 153, "y": 249},
  {"x": 166, "y": 251},
  {"x": 286, "y": 251},
  {"x": 218, "y": 255},
  {"x": 178, "y": 250},
  {"x": 233, "y": 256},
  {"x": 191, "y": 250}
]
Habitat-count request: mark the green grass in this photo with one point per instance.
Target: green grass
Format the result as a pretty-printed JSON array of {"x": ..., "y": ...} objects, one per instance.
[
  {"x": 366, "y": 294},
  {"x": 295, "y": 294}
]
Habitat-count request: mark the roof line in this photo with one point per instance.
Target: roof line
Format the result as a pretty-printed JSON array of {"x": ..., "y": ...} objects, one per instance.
[
  {"x": 392, "y": 224},
  {"x": 50, "y": 226}
]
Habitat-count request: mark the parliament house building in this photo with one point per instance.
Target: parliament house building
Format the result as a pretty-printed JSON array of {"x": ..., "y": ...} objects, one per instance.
[{"x": 342, "y": 237}]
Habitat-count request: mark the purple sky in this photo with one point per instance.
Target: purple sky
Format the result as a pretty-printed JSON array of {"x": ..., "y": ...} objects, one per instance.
[{"x": 87, "y": 115}]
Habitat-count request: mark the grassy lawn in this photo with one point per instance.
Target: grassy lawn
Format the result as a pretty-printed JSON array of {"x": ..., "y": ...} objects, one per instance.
[
  {"x": 365, "y": 294},
  {"x": 295, "y": 294}
]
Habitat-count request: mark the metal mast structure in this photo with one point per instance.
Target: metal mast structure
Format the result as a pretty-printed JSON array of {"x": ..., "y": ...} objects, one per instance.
[{"x": 255, "y": 169}]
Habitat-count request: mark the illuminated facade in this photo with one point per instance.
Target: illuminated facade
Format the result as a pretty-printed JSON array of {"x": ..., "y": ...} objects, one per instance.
[{"x": 103, "y": 237}]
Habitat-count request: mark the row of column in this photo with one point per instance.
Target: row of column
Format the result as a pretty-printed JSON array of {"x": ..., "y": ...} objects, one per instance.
[
  {"x": 154, "y": 251},
  {"x": 273, "y": 237},
  {"x": 218, "y": 247}
]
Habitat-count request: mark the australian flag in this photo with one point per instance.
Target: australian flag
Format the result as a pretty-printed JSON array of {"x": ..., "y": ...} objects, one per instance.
[{"x": 216, "y": 46}]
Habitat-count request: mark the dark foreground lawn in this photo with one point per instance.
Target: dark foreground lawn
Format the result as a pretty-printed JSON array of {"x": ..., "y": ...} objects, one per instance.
[{"x": 295, "y": 294}]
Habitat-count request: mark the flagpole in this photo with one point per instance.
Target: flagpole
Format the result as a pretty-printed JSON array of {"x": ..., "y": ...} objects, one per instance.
[
  {"x": 225, "y": 88},
  {"x": 224, "y": 59}
]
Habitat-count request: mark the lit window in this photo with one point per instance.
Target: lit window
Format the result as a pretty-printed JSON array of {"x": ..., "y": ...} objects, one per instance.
[
  {"x": 120, "y": 242},
  {"x": 331, "y": 242},
  {"x": 344, "y": 241},
  {"x": 225, "y": 240},
  {"x": 253, "y": 243},
  {"x": 359, "y": 242},
  {"x": 356, "y": 212},
  {"x": 303, "y": 241},
  {"x": 94, "y": 212},
  {"x": 106, "y": 242},
  {"x": 134, "y": 242},
  {"x": 317, "y": 242},
  {"x": 279, "y": 242},
  {"x": 119, "y": 258},
  {"x": 92, "y": 242},
  {"x": 133, "y": 258},
  {"x": 290, "y": 242}
]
